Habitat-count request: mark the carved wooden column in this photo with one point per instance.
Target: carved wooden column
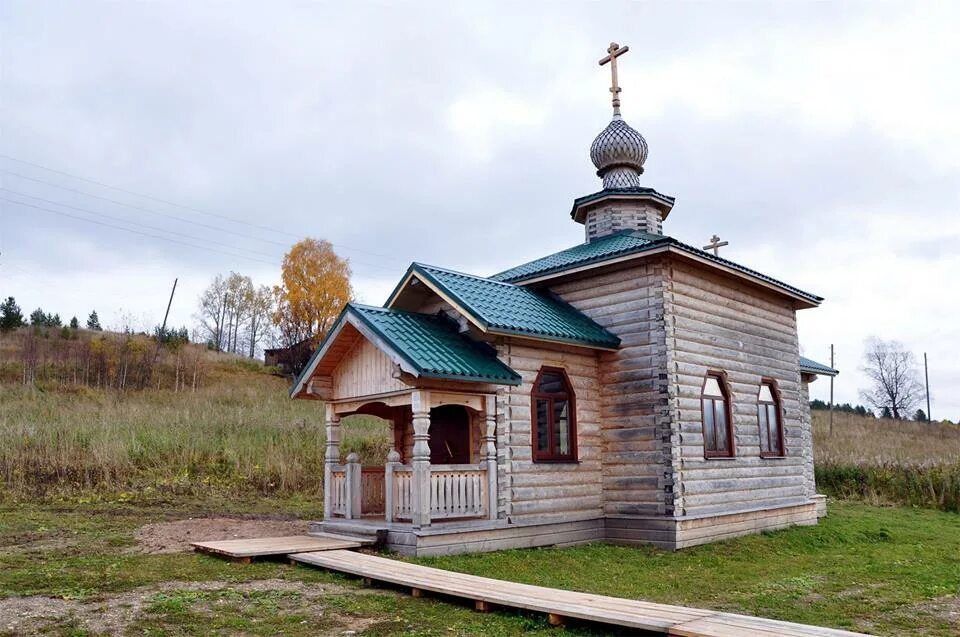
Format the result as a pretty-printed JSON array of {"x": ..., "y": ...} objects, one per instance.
[
  {"x": 421, "y": 458},
  {"x": 331, "y": 458},
  {"x": 490, "y": 452}
]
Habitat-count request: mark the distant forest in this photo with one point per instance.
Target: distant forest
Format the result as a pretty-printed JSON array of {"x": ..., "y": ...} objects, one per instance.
[{"x": 845, "y": 408}]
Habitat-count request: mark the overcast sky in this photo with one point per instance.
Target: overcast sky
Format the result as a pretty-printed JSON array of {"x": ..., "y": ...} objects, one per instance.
[{"x": 820, "y": 140}]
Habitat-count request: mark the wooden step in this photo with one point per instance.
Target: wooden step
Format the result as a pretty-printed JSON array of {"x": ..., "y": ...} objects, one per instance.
[{"x": 247, "y": 549}]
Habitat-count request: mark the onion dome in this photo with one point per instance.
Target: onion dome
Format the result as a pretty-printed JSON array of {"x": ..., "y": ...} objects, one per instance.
[{"x": 619, "y": 153}]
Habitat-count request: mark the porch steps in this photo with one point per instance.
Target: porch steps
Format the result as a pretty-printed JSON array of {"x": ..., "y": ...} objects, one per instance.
[
  {"x": 363, "y": 530},
  {"x": 559, "y": 605},
  {"x": 247, "y": 549}
]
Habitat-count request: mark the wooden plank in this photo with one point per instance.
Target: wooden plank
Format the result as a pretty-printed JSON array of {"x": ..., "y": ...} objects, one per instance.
[
  {"x": 561, "y": 604},
  {"x": 260, "y": 547}
]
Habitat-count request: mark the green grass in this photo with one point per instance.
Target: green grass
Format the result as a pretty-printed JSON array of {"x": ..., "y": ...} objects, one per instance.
[
  {"x": 890, "y": 571},
  {"x": 862, "y": 568},
  {"x": 86, "y": 556}
]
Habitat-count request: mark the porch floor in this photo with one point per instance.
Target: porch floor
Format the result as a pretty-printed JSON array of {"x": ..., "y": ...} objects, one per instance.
[{"x": 488, "y": 593}]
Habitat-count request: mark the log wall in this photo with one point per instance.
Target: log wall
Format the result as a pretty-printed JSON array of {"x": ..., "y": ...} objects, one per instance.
[
  {"x": 628, "y": 301},
  {"x": 715, "y": 323},
  {"x": 546, "y": 490}
]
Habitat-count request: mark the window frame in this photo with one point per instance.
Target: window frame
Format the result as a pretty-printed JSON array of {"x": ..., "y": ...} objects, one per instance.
[
  {"x": 721, "y": 378},
  {"x": 777, "y": 403},
  {"x": 570, "y": 396}
]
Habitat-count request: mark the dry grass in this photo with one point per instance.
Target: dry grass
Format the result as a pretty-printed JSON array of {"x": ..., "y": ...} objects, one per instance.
[
  {"x": 888, "y": 461},
  {"x": 239, "y": 433},
  {"x": 875, "y": 441}
]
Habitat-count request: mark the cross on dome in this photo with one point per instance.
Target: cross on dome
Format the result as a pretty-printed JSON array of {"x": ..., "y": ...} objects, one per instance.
[
  {"x": 619, "y": 151},
  {"x": 613, "y": 52}
]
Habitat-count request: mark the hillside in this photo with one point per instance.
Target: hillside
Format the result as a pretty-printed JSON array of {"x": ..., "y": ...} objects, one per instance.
[
  {"x": 93, "y": 419},
  {"x": 218, "y": 425}
]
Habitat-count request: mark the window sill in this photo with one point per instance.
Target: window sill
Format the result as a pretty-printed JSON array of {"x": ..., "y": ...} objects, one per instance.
[
  {"x": 719, "y": 457},
  {"x": 770, "y": 457},
  {"x": 553, "y": 461}
]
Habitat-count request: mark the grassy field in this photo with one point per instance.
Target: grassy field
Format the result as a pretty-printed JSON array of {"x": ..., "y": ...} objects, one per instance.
[
  {"x": 83, "y": 468},
  {"x": 78, "y": 570},
  {"x": 237, "y": 435},
  {"x": 888, "y": 461}
]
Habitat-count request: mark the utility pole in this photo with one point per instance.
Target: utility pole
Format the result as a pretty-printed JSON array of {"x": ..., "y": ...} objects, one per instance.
[
  {"x": 926, "y": 380},
  {"x": 831, "y": 390},
  {"x": 163, "y": 328}
]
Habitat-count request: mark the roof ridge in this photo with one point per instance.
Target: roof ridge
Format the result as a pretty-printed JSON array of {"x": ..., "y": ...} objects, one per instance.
[
  {"x": 388, "y": 310},
  {"x": 465, "y": 274}
]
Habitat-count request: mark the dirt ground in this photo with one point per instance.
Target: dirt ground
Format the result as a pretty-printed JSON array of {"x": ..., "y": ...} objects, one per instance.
[
  {"x": 175, "y": 536},
  {"x": 114, "y": 614}
]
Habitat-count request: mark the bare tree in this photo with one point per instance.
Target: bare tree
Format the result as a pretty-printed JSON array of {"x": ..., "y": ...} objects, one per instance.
[
  {"x": 261, "y": 313},
  {"x": 895, "y": 381},
  {"x": 210, "y": 316}
]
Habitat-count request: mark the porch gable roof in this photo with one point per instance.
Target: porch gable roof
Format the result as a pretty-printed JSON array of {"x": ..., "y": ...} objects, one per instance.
[
  {"x": 423, "y": 345},
  {"x": 498, "y": 307}
]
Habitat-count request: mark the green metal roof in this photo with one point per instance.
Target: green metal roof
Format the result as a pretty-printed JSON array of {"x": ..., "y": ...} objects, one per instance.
[
  {"x": 813, "y": 367},
  {"x": 602, "y": 249},
  {"x": 505, "y": 308},
  {"x": 431, "y": 344},
  {"x": 636, "y": 191},
  {"x": 622, "y": 244}
]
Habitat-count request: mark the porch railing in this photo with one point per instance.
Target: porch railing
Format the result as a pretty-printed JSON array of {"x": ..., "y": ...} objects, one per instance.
[
  {"x": 339, "y": 493},
  {"x": 458, "y": 491}
]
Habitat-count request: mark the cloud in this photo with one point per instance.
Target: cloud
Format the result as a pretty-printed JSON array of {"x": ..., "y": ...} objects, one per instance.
[{"x": 818, "y": 139}]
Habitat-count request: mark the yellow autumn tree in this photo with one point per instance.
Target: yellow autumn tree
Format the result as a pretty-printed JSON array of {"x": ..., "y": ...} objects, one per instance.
[{"x": 315, "y": 287}]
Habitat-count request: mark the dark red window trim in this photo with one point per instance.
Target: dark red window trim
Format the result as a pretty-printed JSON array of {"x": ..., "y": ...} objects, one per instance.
[
  {"x": 570, "y": 397},
  {"x": 781, "y": 450},
  {"x": 721, "y": 377}
]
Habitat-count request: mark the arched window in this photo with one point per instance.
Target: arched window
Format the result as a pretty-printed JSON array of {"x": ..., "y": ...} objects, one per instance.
[
  {"x": 770, "y": 417},
  {"x": 554, "y": 417},
  {"x": 717, "y": 417}
]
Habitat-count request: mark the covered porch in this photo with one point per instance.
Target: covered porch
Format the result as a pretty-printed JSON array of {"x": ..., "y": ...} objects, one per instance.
[
  {"x": 442, "y": 465},
  {"x": 437, "y": 388}
]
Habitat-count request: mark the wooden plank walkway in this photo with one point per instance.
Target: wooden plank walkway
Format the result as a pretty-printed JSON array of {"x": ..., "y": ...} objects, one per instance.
[
  {"x": 560, "y": 604},
  {"x": 246, "y": 550}
]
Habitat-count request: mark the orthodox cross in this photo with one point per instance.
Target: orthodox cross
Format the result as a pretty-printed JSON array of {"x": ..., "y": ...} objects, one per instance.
[
  {"x": 614, "y": 52},
  {"x": 715, "y": 245}
]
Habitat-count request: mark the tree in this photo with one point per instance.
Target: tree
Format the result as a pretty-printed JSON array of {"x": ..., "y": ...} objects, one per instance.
[
  {"x": 74, "y": 323},
  {"x": 261, "y": 313},
  {"x": 10, "y": 315},
  {"x": 316, "y": 286},
  {"x": 93, "y": 322},
  {"x": 895, "y": 382},
  {"x": 885, "y": 413},
  {"x": 920, "y": 416},
  {"x": 234, "y": 315}
]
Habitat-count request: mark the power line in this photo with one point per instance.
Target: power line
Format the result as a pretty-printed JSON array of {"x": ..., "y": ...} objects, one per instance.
[
  {"x": 135, "y": 223},
  {"x": 151, "y": 197},
  {"x": 237, "y": 251},
  {"x": 155, "y": 212},
  {"x": 130, "y": 230},
  {"x": 169, "y": 203}
]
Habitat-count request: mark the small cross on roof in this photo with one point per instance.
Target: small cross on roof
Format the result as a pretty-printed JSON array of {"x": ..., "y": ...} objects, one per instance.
[{"x": 715, "y": 245}]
